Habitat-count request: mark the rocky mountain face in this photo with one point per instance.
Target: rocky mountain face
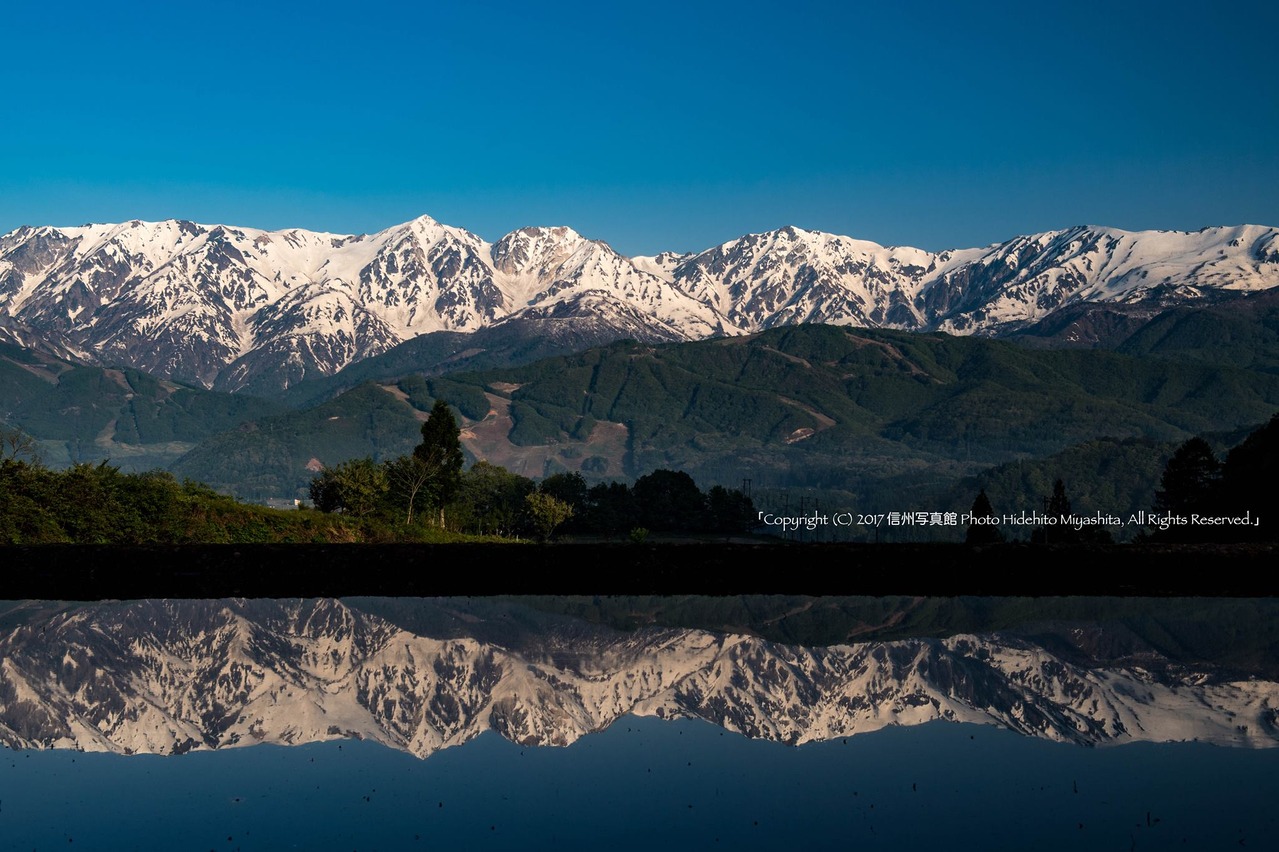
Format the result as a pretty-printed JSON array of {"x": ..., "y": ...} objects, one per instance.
[
  {"x": 236, "y": 308},
  {"x": 172, "y": 676}
]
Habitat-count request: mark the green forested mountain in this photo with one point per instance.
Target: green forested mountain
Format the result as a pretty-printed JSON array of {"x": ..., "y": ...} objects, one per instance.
[
  {"x": 518, "y": 341},
  {"x": 859, "y": 419},
  {"x": 822, "y": 395},
  {"x": 1243, "y": 332},
  {"x": 427, "y": 354},
  {"x": 1104, "y": 475},
  {"x": 874, "y": 414},
  {"x": 87, "y": 414},
  {"x": 1239, "y": 330},
  {"x": 277, "y": 456}
]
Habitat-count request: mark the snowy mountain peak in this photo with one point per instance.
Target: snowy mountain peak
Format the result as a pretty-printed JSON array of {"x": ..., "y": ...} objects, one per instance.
[
  {"x": 230, "y": 306},
  {"x": 173, "y": 676},
  {"x": 536, "y": 251}
]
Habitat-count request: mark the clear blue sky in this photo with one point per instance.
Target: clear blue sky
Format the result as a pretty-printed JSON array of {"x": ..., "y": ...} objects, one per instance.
[{"x": 656, "y": 125}]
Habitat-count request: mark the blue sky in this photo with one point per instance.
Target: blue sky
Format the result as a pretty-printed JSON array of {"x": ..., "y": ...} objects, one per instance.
[{"x": 652, "y": 126}]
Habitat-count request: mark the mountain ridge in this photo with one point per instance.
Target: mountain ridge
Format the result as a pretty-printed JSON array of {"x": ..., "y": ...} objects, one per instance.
[
  {"x": 240, "y": 308},
  {"x": 173, "y": 676}
]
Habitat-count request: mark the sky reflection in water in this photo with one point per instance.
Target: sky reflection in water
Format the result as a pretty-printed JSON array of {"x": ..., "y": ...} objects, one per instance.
[{"x": 646, "y": 783}]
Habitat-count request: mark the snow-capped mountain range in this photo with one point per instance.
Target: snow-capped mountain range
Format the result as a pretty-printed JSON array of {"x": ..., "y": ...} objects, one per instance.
[
  {"x": 223, "y": 306},
  {"x": 173, "y": 676}
]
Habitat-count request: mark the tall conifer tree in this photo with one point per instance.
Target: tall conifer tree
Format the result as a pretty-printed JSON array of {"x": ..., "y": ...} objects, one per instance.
[{"x": 441, "y": 452}]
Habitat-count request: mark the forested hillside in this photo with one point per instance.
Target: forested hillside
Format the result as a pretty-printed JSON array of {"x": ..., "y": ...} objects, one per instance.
[{"x": 873, "y": 414}]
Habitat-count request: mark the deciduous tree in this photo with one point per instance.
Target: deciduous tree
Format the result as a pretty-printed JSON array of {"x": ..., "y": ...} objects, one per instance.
[
  {"x": 356, "y": 487},
  {"x": 669, "y": 500},
  {"x": 492, "y": 499},
  {"x": 408, "y": 477},
  {"x": 547, "y": 513}
]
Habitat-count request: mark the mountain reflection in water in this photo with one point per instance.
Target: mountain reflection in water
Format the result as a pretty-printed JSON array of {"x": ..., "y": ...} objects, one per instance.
[{"x": 166, "y": 677}]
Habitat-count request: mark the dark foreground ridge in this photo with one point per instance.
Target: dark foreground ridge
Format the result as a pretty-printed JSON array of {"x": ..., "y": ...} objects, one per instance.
[{"x": 88, "y": 572}]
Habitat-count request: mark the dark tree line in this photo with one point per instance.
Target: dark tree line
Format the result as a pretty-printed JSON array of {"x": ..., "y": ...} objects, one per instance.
[
  {"x": 1059, "y": 526},
  {"x": 97, "y": 504},
  {"x": 430, "y": 487},
  {"x": 1195, "y": 482},
  {"x": 490, "y": 500},
  {"x": 666, "y": 501}
]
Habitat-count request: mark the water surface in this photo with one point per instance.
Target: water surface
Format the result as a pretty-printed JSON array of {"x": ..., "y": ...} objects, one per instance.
[{"x": 645, "y": 783}]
